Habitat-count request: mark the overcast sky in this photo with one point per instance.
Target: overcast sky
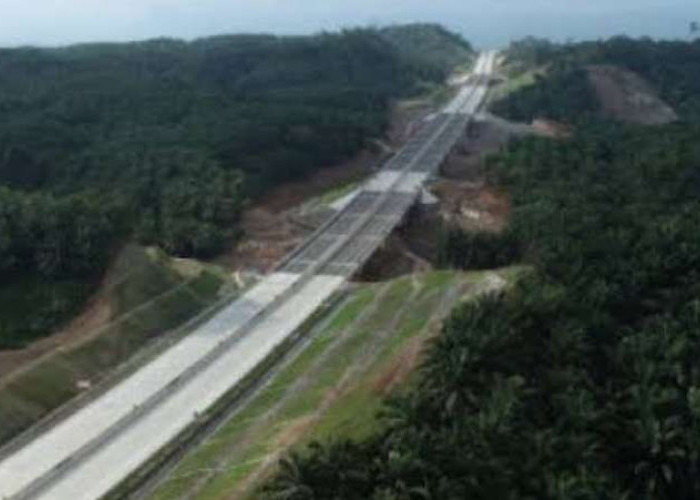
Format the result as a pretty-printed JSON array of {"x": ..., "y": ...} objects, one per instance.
[{"x": 487, "y": 23}]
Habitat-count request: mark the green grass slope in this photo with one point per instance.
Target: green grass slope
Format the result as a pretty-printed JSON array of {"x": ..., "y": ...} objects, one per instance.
[
  {"x": 581, "y": 381},
  {"x": 358, "y": 352},
  {"x": 430, "y": 44},
  {"x": 148, "y": 301},
  {"x": 164, "y": 141}
]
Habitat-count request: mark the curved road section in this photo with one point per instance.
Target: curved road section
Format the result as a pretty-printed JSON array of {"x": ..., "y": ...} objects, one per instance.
[{"x": 89, "y": 453}]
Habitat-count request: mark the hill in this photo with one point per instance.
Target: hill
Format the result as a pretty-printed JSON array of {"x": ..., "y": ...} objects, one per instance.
[
  {"x": 431, "y": 45},
  {"x": 581, "y": 381},
  {"x": 141, "y": 307},
  {"x": 163, "y": 141},
  {"x": 566, "y": 80}
]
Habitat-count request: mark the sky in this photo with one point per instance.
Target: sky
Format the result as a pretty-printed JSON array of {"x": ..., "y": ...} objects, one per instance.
[{"x": 487, "y": 23}]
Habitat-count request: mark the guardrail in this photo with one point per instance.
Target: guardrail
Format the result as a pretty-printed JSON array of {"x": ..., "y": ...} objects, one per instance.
[
  {"x": 326, "y": 224},
  {"x": 147, "y": 476},
  {"x": 50, "y": 477},
  {"x": 122, "y": 371},
  {"x": 154, "y": 400}
]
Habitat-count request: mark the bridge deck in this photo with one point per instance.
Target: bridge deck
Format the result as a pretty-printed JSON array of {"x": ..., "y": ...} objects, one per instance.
[{"x": 93, "y": 450}]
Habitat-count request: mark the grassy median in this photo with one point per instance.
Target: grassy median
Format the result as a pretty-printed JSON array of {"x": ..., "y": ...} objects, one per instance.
[{"x": 360, "y": 351}]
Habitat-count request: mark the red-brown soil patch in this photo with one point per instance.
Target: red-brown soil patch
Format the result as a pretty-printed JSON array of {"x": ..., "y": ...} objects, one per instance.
[
  {"x": 293, "y": 194},
  {"x": 97, "y": 313},
  {"x": 473, "y": 206},
  {"x": 402, "y": 367},
  {"x": 551, "y": 129},
  {"x": 628, "y": 97},
  {"x": 271, "y": 226}
]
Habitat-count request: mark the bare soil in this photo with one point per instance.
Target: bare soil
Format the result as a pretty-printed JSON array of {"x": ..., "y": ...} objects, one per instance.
[
  {"x": 473, "y": 207},
  {"x": 274, "y": 225},
  {"x": 401, "y": 368},
  {"x": 392, "y": 260},
  {"x": 268, "y": 236},
  {"x": 414, "y": 248},
  {"x": 551, "y": 128},
  {"x": 405, "y": 119},
  {"x": 97, "y": 313},
  {"x": 272, "y": 228},
  {"x": 628, "y": 97},
  {"x": 466, "y": 198},
  {"x": 485, "y": 136},
  {"x": 293, "y": 194},
  {"x": 292, "y": 431},
  {"x": 465, "y": 201}
]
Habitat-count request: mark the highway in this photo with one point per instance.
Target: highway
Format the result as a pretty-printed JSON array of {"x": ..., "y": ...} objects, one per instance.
[{"x": 91, "y": 452}]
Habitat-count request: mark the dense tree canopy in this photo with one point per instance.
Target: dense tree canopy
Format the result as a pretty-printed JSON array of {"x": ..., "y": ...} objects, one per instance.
[
  {"x": 165, "y": 140},
  {"x": 124, "y": 118},
  {"x": 57, "y": 237},
  {"x": 52, "y": 250},
  {"x": 579, "y": 383},
  {"x": 563, "y": 93}
]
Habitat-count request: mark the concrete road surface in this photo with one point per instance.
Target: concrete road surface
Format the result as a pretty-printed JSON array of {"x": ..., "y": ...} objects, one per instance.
[{"x": 93, "y": 450}]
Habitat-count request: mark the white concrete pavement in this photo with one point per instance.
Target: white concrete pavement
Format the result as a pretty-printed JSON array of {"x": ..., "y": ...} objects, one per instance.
[
  {"x": 467, "y": 101},
  {"x": 92, "y": 451},
  {"x": 126, "y": 452},
  {"x": 60, "y": 443}
]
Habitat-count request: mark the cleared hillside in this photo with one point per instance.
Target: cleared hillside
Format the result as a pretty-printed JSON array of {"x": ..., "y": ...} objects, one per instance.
[
  {"x": 142, "y": 307},
  {"x": 580, "y": 382},
  {"x": 652, "y": 81},
  {"x": 163, "y": 141}
]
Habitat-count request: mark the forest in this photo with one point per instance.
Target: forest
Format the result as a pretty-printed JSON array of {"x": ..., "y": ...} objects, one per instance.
[
  {"x": 165, "y": 141},
  {"x": 564, "y": 93},
  {"x": 580, "y": 382}
]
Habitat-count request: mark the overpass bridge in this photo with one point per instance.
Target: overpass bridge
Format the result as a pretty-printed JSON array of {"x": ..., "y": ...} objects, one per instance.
[{"x": 89, "y": 453}]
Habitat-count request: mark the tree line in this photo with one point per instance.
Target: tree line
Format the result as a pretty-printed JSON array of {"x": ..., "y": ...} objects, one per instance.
[
  {"x": 165, "y": 141},
  {"x": 579, "y": 382},
  {"x": 564, "y": 93}
]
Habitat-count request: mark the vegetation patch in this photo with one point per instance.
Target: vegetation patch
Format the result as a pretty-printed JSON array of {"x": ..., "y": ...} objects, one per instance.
[
  {"x": 147, "y": 307},
  {"x": 627, "y": 97},
  {"x": 96, "y": 152},
  {"x": 663, "y": 80},
  {"x": 332, "y": 388},
  {"x": 581, "y": 380},
  {"x": 564, "y": 94},
  {"x": 517, "y": 83}
]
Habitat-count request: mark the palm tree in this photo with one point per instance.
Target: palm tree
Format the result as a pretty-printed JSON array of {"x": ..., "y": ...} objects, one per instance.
[{"x": 288, "y": 484}]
